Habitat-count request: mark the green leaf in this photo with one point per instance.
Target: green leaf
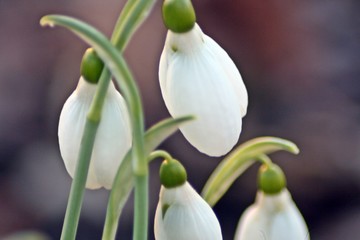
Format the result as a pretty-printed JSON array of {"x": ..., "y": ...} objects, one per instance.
[
  {"x": 132, "y": 15},
  {"x": 124, "y": 180},
  {"x": 238, "y": 161}
]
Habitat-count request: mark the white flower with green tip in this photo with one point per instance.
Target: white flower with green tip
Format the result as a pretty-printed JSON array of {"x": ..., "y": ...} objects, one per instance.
[
  {"x": 272, "y": 217},
  {"x": 113, "y": 138},
  {"x": 182, "y": 214},
  {"x": 197, "y": 77}
]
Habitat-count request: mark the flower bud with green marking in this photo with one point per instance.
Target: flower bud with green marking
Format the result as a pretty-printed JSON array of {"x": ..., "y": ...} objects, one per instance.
[
  {"x": 272, "y": 217},
  {"x": 91, "y": 66},
  {"x": 178, "y": 15},
  {"x": 197, "y": 77},
  {"x": 113, "y": 137},
  {"x": 271, "y": 179},
  {"x": 172, "y": 174},
  {"x": 182, "y": 214}
]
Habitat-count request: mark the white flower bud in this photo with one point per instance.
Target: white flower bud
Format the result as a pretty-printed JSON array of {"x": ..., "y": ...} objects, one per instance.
[
  {"x": 197, "y": 77},
  {"x": 182, "y": 214},
  {"x": 272, "y": 217},
  {"x": 113, "y": 137}
]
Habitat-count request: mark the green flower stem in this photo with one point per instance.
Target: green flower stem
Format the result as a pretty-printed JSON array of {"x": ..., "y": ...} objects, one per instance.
[
  {"x": 77, "y": 190},
  {"x": 116, "y": 63},
  {"x": 78, "y": 185},
  {"x": 97, "y": 104},
  {"x": 131, "y": 16},
  {"x": 264, "y": 159},
  {"x": 117, "y": 32},
  {"x": 141, "y": 207},
  {"x": 134, "y": 13},
  {"x": 140, "y": 165},
  {"x": 72, "y": 214},
  {"x": 159, "y": 154}
]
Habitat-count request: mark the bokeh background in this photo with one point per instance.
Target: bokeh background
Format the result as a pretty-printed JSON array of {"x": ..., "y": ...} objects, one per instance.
[{"x": 299, "y": 60}]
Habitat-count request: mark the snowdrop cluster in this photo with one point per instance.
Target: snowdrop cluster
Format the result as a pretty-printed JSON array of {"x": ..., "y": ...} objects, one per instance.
[{"x": 197, "y": 77}]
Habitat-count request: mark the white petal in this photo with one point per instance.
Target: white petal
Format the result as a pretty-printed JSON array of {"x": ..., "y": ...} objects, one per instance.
[
  {"x": 200, "y": 79},
  {"x": 71, "y": 128},
  {"x": 188, "y": 216},
  {"x": 113, "y": 137},
  {"x": 232, "y": 73},
  {"x": 272, "y": 218}
]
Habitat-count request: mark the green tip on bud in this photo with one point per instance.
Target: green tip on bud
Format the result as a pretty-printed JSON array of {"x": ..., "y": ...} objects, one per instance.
[
  {"x": 172, "y": 174},
  {"x": 91, "y": 66},
  {"x": 178, "y": 15},
  {"x": 271, "y": 179}
]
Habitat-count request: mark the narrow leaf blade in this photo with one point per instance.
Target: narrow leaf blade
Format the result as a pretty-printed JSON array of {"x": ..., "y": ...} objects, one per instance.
[{"x": 238, "y": 161}]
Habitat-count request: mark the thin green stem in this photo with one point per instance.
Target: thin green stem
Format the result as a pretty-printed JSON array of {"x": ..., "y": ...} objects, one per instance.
[
  {"x": 159, "y": 154},
  {"x": 97, "y": 104},
  {"x": 78, "y": 185},
  {"x": 119, "y": 26},
  {"x": 115, "y": 62},
  {"x": 140, "y": 165},
  {"x": 135, "y": 12},
  {"x": 141, "y": 207},
  {"x": 264, "y": 159}
]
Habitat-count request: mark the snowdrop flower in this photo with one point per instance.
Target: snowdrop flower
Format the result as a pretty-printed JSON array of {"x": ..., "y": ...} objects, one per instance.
[
  {"x": 113, "y": 138},
  {"x": 197, "y": 77},
  {"x": 181, "y": 213},
  {"x": 272, "y": 217}
]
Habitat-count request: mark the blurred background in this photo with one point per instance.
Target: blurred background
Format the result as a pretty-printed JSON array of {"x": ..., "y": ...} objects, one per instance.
[{"x": 299, "y": 60}]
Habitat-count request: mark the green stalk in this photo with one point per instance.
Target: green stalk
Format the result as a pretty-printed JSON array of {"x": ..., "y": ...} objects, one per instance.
[
  {"x": 159, "y": 154},
  {"x": 78, "y": 185},
  {"x": 141, "y": 207},
  {"x": 73, "y": 209},
  {"x": 134, "y": 13},
  {"x": 126, "y": 82},
  {"x": 140, "y": 166},
  {"x": 77, "y": 190}
]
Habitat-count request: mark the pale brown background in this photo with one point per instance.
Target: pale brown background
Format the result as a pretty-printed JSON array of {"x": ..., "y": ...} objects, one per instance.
[{"x": 299, "y": 60}]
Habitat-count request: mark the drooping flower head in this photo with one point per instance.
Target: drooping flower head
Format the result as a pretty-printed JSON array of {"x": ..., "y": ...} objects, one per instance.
[
  {"x": 274, "y": 215},
  {"x": 181, "y": 213},
  {"x": 113, "y": 137},
  {"x": 197, "y": 77}
]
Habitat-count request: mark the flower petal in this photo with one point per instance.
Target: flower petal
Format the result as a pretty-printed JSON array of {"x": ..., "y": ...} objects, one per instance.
[
  {"x": 187, "y": 217},
  {"x": 273, "y": 218},
  {"x": 199, "y": 78},
  {"x": 71, "y": 128},
  {"x": 113, "y": 138},
  {"x": 232, "y": 73}
]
